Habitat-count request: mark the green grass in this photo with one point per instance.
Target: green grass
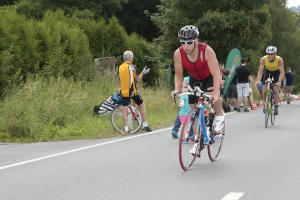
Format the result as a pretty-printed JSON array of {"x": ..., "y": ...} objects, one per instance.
[{"x": 61, "y": 109}]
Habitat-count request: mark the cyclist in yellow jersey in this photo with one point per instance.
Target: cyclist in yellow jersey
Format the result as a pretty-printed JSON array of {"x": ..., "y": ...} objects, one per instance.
[
  {"x": 272, "y": 65},
  {"x": 128, "y": 79}
]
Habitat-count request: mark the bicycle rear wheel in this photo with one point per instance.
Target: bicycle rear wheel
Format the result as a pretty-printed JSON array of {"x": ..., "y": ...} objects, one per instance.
[
  {"x": 186, "y": 141},
  {"x": 216, "y": 142},
  {"x": 272, "y": 110},
  {"x": 134, "y": 119},
  {"x": 266, "y": 109}
]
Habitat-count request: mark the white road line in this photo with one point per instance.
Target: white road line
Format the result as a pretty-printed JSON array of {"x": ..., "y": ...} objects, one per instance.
[
  {"x": 79, "y": 149},
  {"x": 233, "y": 196}
]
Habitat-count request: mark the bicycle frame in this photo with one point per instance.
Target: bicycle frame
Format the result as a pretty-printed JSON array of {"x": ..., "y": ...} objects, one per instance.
[
  {"x": 201, "y": 121},
  {"x": 133, "y": 112},
  {"x": 269, "y": 111}
]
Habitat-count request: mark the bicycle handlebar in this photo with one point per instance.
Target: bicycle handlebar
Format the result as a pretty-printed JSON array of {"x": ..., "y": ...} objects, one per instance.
[
  {"x": 196, "y": 92},
  {"x": 269, "y": 80}
]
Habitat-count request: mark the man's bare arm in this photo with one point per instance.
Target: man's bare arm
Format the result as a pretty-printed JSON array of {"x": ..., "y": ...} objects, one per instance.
[
  {"x": 281, "y": 69},
  {"x": 178, "y": 71}
]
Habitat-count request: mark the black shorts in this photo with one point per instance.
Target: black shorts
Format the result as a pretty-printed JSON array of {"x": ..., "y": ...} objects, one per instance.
[
  {"x": 274, "y": 74},
  {"x": 203, "y": 84},
  {"x": 232, "y": 91},
  {"x": 137, "y": 99}
]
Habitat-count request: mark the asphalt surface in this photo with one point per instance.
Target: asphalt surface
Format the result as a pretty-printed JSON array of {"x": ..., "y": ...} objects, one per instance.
[{"x": 256, "y": 163}]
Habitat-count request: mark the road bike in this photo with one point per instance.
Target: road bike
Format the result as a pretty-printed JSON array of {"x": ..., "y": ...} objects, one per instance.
[
  {"x": 198, "y": 131},
  {"x": 269, "y": 107},
  {"x": 134, "y": 119}
]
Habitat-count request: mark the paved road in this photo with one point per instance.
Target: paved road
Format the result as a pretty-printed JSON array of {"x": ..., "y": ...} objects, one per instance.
[{"x": 255, "y": 164}]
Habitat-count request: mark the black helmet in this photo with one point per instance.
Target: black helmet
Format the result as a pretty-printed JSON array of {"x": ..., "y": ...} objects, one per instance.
[{"x": 189, "y": 32}]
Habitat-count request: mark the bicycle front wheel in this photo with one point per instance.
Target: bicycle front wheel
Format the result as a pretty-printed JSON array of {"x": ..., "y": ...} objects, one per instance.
[
  {"x": 187, "y": 141},
  {"x": 266, "y": 109},
  {"x": 134, "y": 119},
  {"x": 216, "y": 143}
]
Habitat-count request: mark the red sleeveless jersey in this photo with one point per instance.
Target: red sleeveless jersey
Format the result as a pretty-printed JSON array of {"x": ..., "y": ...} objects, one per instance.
[{"x": 198, "y": 70}]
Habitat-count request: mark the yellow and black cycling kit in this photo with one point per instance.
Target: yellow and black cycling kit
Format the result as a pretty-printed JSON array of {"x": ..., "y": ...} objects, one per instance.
[
  {"x": 127, "y": 73},
  {"x": 272, "y": 66}
]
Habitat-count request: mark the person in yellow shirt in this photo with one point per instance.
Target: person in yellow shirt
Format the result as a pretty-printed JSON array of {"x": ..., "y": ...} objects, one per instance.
[
  {"x": 274, "y": 67},
  {"x": 128, "y": 78}
]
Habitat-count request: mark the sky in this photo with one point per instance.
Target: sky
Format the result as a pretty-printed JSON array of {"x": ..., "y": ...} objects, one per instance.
[{"x": 292, "y": 3}]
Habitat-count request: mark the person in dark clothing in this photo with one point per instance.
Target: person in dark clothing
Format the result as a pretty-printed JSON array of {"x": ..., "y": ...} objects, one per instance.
[
  {"x": 232, "y": 94},
  {"x": 243, "y": 77},
  {"x": 288, "y": 88}
]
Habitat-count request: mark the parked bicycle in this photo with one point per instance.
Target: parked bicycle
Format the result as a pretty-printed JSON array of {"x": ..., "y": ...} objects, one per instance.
[
  {"x": 134, "y": 118},
  {"x": 269, "y": 106},
  {"x": 198, "y": 131}
]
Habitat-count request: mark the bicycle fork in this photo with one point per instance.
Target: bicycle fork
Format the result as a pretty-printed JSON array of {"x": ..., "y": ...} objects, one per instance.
[{"x": 206, "y": 139}]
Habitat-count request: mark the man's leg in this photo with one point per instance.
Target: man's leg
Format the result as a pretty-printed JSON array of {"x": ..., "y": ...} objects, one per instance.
[
  {"x": 285, "y": 93},
  {"x": 264, "y": 92},
  {"x": 251, "y": 98},
  {"x": 234, "y": 103},
  {"x": 234, "y": 96},
  {"x": 125, "y": 115},
  {"x": 142, "y": 108},
  {"x": 220, "y": 116},
  {"x": 261, "y": 96},
  {"x": 289, "y": 92},
  {"x": 246, "y": 103},
  {"x": 276, "y": 94},
  {"x": 176, "y": 127},
  {"x": 228, "y": 102},
  {"x": 239, "y": 99}
]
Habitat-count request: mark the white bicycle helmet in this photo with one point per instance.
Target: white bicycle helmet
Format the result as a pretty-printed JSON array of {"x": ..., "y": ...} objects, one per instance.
[
  {"x": 271, "y": 49},
  {"x": 189, "y": 32}
]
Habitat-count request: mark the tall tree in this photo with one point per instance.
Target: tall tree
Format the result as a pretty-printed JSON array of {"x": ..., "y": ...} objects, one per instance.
[
  {"x": 222, "y": 24},
  {"x": 133, "y": 18},
  {"x": 99, "y": 8},
  {"x": 6, "y": 2},
  {"x": 286, "y": 35}
]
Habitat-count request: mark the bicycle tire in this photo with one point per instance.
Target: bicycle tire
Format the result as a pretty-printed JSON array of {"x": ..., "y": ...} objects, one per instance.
[
  {"x": 272, "y": 109},
  {"x": 187, "y": 159},
  {"x": 216, "y": 142},
  {"x": 134, "y": 125},
  {"x": 266, "y": 109}
]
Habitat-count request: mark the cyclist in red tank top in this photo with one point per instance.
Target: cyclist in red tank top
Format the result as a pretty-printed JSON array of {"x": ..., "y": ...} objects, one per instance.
[{"x": 200, "y": 60}]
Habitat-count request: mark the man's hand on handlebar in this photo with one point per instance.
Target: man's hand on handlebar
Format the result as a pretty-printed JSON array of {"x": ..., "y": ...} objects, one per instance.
[{"x": 174, "y": 94}]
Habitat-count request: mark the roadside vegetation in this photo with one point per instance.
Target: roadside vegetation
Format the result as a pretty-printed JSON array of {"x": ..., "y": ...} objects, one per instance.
[
  {"x": 49, "y": 81},
  {"x": 61, "y": 109}
]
